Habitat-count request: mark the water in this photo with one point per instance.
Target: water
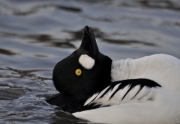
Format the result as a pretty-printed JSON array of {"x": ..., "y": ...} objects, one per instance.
[{"x": 36, "y": 34}]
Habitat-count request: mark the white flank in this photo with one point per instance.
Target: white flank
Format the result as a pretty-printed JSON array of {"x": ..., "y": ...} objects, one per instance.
[{"x": 86, "y": 61}]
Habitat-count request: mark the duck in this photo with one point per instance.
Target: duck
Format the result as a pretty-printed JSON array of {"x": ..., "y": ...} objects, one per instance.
[{"x": 96, "y": 88}]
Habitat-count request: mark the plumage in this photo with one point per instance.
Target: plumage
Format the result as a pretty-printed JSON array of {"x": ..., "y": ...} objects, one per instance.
[
  {"x": 160, "y": 68},
  {"x": 86, "y": 61},
  {"x": 124, "y": 91},
  {"x": 132, "y": 91}
]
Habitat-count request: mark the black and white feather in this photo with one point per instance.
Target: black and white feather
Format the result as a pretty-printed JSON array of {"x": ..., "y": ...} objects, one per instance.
[{"x": 124, "y": 91}]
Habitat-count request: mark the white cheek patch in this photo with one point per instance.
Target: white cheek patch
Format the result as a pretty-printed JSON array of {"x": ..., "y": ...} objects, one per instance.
[{"x": 86, "y": 61}]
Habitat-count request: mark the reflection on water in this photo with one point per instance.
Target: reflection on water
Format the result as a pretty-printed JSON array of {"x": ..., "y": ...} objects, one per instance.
[
  {"x": 6, "y": 52},
  {"x": 64, "y": 117},
  {"x": 41, "y": 38},
  {"x": 35, "y": 35}
]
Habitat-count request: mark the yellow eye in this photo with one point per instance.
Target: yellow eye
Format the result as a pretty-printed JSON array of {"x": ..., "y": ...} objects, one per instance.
[{"x": 78, "y": 72}]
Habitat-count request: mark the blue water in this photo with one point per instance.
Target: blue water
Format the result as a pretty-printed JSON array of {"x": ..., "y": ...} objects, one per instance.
[{"x": 36, "y": 34}]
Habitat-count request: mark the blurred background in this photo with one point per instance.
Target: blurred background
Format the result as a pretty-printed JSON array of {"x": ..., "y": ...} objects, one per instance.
[{"x": 36, "y": 34}]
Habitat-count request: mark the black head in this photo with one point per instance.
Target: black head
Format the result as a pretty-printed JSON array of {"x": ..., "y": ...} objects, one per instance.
[{"x": 85, "y": 71}]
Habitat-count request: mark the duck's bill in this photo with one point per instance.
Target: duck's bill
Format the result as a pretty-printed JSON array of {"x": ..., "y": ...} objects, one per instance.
[{"x": 11, "y": 93}]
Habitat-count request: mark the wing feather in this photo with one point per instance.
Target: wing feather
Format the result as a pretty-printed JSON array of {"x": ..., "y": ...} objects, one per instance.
[{"x": 124, "y": 91}]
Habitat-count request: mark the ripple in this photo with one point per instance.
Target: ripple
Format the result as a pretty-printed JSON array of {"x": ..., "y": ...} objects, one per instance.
[
  {"x": 36, "y": 8},
  {"x": 153, "y": 4},
  {"x": 127, "y": 42},
  {"x": 35, "y": 38},
  {"x": 7, "y": 52}
]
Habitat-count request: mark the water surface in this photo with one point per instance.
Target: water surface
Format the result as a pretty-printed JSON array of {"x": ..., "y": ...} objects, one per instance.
[{"x": 36, "y": 34}]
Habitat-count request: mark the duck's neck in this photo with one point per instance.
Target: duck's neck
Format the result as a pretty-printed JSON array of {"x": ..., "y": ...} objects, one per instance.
[{"x": 120, "y": 69}]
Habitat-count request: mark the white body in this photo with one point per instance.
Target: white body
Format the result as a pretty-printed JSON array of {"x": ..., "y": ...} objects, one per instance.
[{"x": 165, "y": 106}]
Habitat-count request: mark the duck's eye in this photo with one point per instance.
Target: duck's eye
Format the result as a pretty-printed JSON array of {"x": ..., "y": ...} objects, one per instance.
[{"x": 78, "y": 72}]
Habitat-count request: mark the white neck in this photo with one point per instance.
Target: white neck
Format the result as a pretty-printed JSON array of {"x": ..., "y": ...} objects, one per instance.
[{"x": 120, "y": 69}]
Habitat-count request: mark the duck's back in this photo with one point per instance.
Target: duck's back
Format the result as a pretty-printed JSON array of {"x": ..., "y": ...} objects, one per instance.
[{"x": 161, "y": 68}]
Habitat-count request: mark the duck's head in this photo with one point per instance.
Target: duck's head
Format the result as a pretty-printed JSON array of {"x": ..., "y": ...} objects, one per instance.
[{"x": 83, "y": 72}]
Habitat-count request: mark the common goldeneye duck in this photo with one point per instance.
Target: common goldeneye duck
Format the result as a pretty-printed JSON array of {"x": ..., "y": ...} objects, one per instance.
[
  {"x": 138, "y": 91},
  {"x": 85, "y": 71}
]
